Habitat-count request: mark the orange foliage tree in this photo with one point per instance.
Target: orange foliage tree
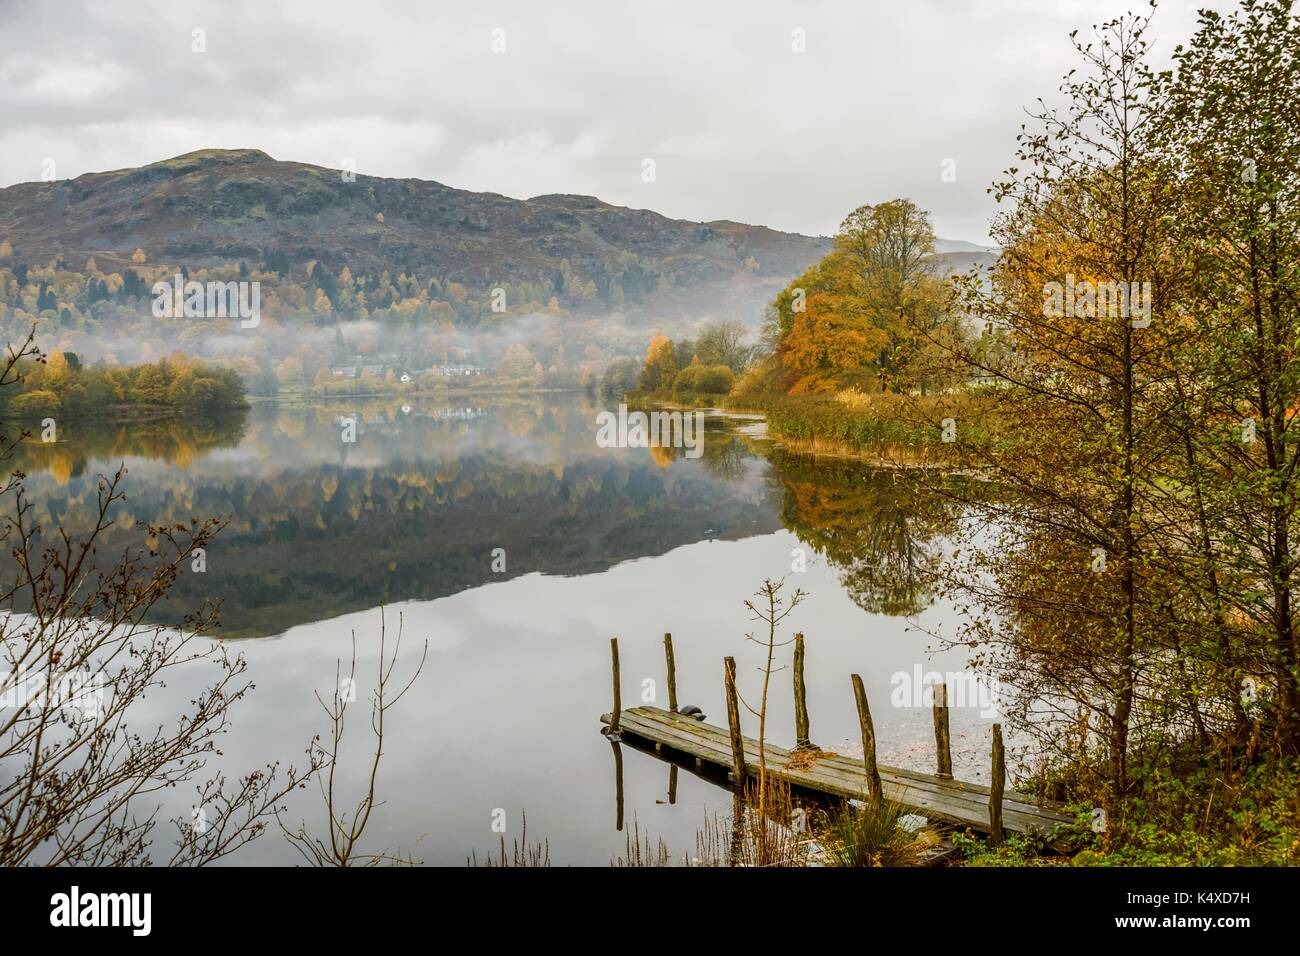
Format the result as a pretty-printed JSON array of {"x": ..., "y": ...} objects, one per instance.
[{"x": 831, "y": 344}]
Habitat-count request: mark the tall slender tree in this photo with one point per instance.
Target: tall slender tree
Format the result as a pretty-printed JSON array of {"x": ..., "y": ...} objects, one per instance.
[{"x": 1080, "y": 300}]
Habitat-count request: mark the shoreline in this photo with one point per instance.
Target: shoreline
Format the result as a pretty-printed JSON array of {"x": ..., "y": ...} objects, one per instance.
[
  {"x": 814, "y": 447},
  {"x": 302, "y": 398}
]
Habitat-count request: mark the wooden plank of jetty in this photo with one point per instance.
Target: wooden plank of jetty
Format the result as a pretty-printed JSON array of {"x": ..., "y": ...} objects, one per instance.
[{"x": 941, "y": 799}]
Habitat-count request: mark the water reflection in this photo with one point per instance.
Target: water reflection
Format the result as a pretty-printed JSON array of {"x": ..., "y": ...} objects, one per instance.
[
  {"x": 877, "y": 528},
  {"x": 414, "y": 508},
  {"x": 598, "y": 543}
]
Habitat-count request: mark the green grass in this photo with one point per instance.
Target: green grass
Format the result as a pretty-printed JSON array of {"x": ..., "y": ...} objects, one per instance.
[
  {"x": 867, "y": 836},
  {"x": 1186, "y": 808}
]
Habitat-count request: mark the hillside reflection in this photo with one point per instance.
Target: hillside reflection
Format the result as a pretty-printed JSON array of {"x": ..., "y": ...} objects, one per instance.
[{"x": 414, "y": 508}]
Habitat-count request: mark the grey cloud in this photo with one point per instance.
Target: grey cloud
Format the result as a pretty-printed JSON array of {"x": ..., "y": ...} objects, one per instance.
[{"x": 740, "y": 127}]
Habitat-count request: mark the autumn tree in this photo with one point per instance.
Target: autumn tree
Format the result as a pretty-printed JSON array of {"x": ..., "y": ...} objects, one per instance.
[
  {"x": 518, "y": 363},
  {"x": 879, "y": 295},
  {"x": 660, "y": 367},
  {"x": 886, "y": 251},
  {"x": 1072, "y": 596},
  {"x": 830, "y": 345},
  {"x": 1232, "y": 130}
]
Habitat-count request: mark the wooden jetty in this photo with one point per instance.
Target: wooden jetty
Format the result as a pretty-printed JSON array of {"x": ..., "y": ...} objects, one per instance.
[
  {"x": 937, "y": 796},
  {"x": 950, "y": 801}
]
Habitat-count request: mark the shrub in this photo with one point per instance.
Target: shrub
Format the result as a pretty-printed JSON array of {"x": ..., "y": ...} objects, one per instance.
[
  {"x": 686, "y": 379},
  {"x": 757, "y": 380},
  {"x": 34, "y": 404},
  {"x": 709, "y": 379}
]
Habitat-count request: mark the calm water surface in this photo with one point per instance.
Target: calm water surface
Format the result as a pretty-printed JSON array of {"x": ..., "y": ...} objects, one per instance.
[{"x": 598, "y": 543}]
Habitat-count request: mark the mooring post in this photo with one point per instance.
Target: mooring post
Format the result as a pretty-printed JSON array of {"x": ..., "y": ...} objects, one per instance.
[
  {"x": 618, "y": 701},
  {"x": 942, "y": 737},
  {"x": 736, "y": 848},
  {"x": 995, "y": 787},
  {"x": 874, "y": 789},
  {"x": 801, "y": 741},
  {"x": 733, "y": 720},
  {"x": 672, "y": 673}
]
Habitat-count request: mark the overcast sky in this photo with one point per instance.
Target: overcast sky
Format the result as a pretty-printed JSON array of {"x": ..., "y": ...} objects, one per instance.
[{"x": 739, "y": 125}]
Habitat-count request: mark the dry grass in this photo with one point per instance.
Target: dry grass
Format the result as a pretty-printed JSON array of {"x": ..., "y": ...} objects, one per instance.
[
  {"x": 641, "y": 852},
  {"x": 806, "y": 759},
  {"x": 525, "y": 853},
  {"x": 741, "y": 838},
  {"x": 870, "y": 836}
]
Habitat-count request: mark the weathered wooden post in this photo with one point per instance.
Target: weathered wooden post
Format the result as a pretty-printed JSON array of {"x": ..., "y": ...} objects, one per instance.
[
  {"x": 942, "y": 737},
  {"x": 995, "y": 788},
  {"x": 672, "y": 784},
  {"x": 736, "y": 850},
  {"x": 618, "y": 700},
  {"x": 874, "y": 789},
  {"x": 733, "y": 720},
  {"x": 672, "y": 673},
  {"x": 801, "y": 741}
]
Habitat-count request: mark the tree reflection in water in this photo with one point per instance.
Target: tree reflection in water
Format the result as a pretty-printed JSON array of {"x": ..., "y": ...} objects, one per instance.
[{"x": 878, "y": 527}]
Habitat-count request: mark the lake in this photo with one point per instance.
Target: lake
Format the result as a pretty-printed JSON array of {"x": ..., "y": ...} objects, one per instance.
[{"x": 502, "y": 535}]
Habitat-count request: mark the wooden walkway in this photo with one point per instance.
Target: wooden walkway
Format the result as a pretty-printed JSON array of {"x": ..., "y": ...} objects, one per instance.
[{"x": 948, "y": 801}]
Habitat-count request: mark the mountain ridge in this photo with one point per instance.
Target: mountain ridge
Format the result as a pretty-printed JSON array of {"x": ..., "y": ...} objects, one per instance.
[{"x": 214, "y": 207}]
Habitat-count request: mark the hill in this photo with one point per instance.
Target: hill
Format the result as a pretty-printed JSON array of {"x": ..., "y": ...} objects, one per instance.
[
  {"x": 215, "y": 207},
  {"x": 218, "y": 207}
]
